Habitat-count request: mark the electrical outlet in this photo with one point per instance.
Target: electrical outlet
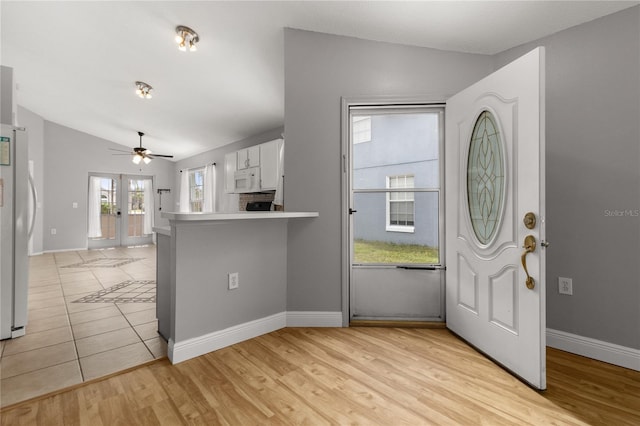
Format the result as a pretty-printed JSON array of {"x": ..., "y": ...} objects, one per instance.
[
  {"x": 565, "y": 286},
  {"x": 53, "y": 231},
  {"x": 234, "y": 280}
]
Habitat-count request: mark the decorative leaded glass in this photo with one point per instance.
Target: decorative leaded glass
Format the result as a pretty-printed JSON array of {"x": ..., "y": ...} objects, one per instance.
[{"x": 485, "y": 177}]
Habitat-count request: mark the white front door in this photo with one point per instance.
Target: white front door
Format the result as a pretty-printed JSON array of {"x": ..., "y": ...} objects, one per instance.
[{"x": 494, "y": 174}]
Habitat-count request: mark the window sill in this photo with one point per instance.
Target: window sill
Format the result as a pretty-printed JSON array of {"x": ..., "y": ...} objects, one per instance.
[{"x": 396, "y": 228}]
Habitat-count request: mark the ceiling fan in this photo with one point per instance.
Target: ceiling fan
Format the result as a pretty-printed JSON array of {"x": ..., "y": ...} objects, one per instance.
[{"x": 140, "y": 153}]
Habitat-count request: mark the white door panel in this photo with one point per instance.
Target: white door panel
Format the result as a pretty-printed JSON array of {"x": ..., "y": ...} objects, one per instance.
[
  {"x": 490, "y": 185},
  {"x": 397, "y": 294}
]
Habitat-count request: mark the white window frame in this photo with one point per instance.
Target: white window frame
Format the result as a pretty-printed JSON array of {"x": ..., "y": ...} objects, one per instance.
[
  {"x": 192, "y": 173},
  {"x": 399, "y": 228},
  {"x": 361, "y": 128}
]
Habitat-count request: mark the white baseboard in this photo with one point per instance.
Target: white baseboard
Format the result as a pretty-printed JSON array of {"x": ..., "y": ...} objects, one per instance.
[
  {"x": 191, "y": 348},
  {"x": 314, "y": 319},
  {"x": 63, "y": 250},
  {"x": 596, "y": 349}
]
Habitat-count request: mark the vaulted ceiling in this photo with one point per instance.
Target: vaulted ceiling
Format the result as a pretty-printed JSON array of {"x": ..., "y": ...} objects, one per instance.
[{"x": 76, "y": 62}]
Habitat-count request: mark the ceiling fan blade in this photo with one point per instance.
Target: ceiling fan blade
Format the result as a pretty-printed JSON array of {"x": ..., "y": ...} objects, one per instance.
[
  {"x": 160, "y": 155},
  {"x": 119, "y": 150},
  {"x": 129, "y": 154}
]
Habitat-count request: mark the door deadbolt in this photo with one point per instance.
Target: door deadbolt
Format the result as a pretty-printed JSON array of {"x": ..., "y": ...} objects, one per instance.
[{"x": 529, "y": 220}]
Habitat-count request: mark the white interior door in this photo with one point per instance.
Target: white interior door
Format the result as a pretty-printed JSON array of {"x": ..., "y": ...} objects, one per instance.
[{"x": 494, "y": 162}]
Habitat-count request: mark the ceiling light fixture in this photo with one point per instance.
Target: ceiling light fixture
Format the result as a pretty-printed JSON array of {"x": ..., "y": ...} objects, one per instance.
[
  {"x": 143, "y": 90},
  {"x": 185, "y": 36}
]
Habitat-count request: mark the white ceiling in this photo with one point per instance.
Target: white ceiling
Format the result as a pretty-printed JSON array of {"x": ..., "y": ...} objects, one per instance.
[{"x": 76, "y": 62}]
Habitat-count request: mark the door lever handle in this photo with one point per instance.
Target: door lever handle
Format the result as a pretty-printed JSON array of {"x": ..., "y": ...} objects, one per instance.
[{"x": 529, "y": 247}]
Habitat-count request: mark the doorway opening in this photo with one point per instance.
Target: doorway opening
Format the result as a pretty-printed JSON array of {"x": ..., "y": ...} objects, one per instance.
[
  {"x": 395, "y": 220},
  {"x": 120, "y": 210}
]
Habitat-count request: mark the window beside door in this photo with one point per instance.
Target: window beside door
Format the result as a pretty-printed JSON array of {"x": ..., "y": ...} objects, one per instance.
[{"x": 196, "y": 189}]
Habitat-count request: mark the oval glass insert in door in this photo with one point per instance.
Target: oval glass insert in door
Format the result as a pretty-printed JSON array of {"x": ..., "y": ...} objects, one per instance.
[{"x": 485, "y": 178}]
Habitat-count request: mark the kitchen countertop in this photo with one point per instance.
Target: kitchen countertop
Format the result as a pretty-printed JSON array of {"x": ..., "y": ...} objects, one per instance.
[
  {"x": 162, "y": 230},
  {"x": 177, "y": 216}
]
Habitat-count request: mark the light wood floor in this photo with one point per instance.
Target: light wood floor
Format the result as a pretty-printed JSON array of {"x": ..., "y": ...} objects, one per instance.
[{"x": 368, "y": 376}]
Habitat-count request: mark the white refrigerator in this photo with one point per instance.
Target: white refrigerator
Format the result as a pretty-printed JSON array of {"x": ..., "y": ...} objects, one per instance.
[{"x": 16, "y": 219}]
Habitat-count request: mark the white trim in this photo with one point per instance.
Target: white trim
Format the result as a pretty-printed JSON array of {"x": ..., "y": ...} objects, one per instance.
[
  {"x": 362, "y": 103},
  {"x": 63, "y": 250},
  {"x": 596, "y": 349},
  {"x": 314, "y": 319},
  {"x": 400, "y": 228},
  {"x": 196, "y": 346}
]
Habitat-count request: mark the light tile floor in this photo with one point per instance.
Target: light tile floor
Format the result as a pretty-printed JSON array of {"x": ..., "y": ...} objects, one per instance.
[{"x": 91, "y": 313}]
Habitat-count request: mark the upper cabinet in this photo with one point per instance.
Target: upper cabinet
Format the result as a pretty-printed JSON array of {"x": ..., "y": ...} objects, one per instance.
[
  {"x": 269, "y": 164},
  {"x": 265, "y": 156},
  {"x": 229, "y": 172},
  {"x": 248, "y": 157}
]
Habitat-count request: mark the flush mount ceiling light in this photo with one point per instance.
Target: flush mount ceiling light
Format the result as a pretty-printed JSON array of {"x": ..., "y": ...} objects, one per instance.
[
  {"x": 185, "y": 36},
  {"x": 143, "y": 90}
]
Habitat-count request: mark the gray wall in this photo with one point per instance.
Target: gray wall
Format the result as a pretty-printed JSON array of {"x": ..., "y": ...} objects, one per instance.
[
  {"x": 226, "y": 203},
  {"x": 592, "y": 171},
  {"x": 7, "y": 100},
  {"x": 319, "y": 70},
  {"x": 203, "y": 303},
  {"x": 70, "y": 155}
]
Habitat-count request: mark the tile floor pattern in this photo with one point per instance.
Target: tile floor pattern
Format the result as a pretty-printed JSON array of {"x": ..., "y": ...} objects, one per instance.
[{"x": 91, "y": 313}]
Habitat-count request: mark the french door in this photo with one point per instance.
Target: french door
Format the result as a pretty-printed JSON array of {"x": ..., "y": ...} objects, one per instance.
[
  {"x": 396, "y": 271},
  {"x": 120, "y": 210}
]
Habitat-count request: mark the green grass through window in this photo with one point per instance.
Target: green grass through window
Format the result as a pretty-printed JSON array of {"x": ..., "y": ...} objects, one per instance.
[{"x": 383, "y": 252}]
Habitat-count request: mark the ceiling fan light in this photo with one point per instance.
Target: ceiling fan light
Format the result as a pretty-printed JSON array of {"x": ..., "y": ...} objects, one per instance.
[
  {"x": 136, "y": 159},
  {"x": 146, "y": 160}
]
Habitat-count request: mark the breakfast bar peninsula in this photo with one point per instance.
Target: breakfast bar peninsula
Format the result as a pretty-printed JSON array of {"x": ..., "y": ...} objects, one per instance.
[{"x": 221, "y": 278}]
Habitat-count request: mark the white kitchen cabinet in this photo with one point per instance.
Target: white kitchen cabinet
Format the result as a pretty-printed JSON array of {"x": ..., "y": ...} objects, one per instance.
[
  {"x": 230, "y": 160},
  {"x": 248, "y": 157},
  {"x": 269, "y": 164}
]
